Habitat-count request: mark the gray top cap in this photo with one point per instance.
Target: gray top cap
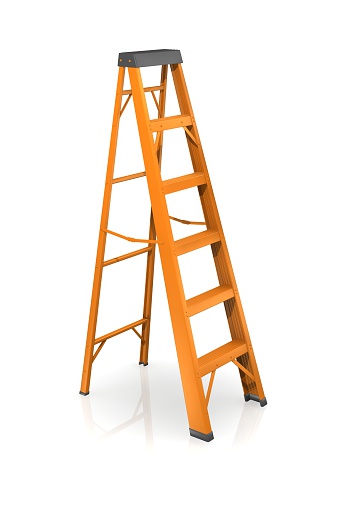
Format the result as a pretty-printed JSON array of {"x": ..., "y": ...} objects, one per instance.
[{"x": 148, "y": 58}]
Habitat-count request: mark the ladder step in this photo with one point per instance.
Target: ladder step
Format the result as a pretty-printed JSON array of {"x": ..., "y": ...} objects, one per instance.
[
  {"x": 220, "y": 356},
  {"x": 162, "y": 124},
  {"x": 209, "y": 299},
  {"x": 184, "y": 182},
  {"x": 196, "y": 241}
]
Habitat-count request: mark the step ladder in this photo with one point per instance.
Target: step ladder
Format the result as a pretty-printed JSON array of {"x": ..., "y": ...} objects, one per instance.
[{"x": 239, "y": 350}]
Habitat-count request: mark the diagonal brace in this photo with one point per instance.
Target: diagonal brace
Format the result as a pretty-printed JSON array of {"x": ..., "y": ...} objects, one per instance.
[
  {"x": 124, "y": 106},
  {"x": 210, "y": 387},
  {"x": 240, "y": 366}
]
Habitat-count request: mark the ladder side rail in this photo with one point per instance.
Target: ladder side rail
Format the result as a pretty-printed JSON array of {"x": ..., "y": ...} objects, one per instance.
[
  {"x": 146, "y": 328},
  {"x": 192, "y": 385},
  {"x": 93, "y": 315}
]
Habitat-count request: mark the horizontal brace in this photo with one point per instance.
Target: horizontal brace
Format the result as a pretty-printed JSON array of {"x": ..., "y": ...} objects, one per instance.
[
  {"x": 131, "y": 239},
  {"x": 146, "y": 89},
  {"x": 240, "y": 366},
  {"x": 119, "y": 331},
  {"x": 184, "y": 221},
  {"x": 126, "y": 256},
  {"x": 129, "y": 177}
]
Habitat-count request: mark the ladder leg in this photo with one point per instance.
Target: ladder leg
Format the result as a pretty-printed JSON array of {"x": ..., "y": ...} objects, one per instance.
[
  {"x": 93, "y": 315},
  {"x": 233, "y": 307},
  {"x": 145, "y": 333},
  {"x": 196, "y": 405},
  {"x": 238, "y": 329}
]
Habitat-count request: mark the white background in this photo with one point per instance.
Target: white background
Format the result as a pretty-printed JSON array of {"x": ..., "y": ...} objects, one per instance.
[{"x": 263, "y": 79}]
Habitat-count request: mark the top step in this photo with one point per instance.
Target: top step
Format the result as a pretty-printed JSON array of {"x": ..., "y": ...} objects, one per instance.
[{"x": 149, "y": 58}]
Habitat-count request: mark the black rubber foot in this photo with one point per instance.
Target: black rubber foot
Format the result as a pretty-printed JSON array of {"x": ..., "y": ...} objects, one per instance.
[
  {"x": 84, "y": 393},
  {"x": 142, "y": 363},
  {"x": 253, "y": 397},
  {"x": 201, "y": 436}
]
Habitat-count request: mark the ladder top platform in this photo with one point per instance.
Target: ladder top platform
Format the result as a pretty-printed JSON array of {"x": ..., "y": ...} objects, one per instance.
[{"x": 149, "y": 58}]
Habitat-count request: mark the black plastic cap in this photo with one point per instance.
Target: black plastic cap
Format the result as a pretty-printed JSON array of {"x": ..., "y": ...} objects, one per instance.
[
  {"x": 84, "y": 393},
  {"x": 201, "y": 436},
  {"x": 149, "y": 58},
  {"x": 253, "y": 397},
  {"x": 143, "y": 364}
]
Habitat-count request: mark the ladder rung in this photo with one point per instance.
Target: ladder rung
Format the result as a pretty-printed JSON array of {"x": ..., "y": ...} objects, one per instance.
[
  {"x": 119, "y": 331},
  {"x": 220, "y": 356},
  {"x": 184, "y": 182},
  {"x": 126, "y": 256},
  {"x": 196, "y": 241},
  {"x": 146, "y": 89},
  {"x": 209, "y": 299},
  {"x": 161, "y": 124},
  {"x": 129, "y": 177}
]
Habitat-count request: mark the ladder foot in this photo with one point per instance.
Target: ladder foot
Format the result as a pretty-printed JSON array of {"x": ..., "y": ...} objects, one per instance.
[
  {"x": 253, "y": 397},
  {"x": 143, "y": 363},
  {"x": 201, "y": 436},
  {"x": 84, "y": 393}
]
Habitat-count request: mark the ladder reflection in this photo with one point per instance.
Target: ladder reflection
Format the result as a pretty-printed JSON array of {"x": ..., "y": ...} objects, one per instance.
[{"x": 142, "y": 411}]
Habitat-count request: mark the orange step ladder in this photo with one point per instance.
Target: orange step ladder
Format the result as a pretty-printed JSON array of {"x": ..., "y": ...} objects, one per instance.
[{"x": 239, "y": 350}]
